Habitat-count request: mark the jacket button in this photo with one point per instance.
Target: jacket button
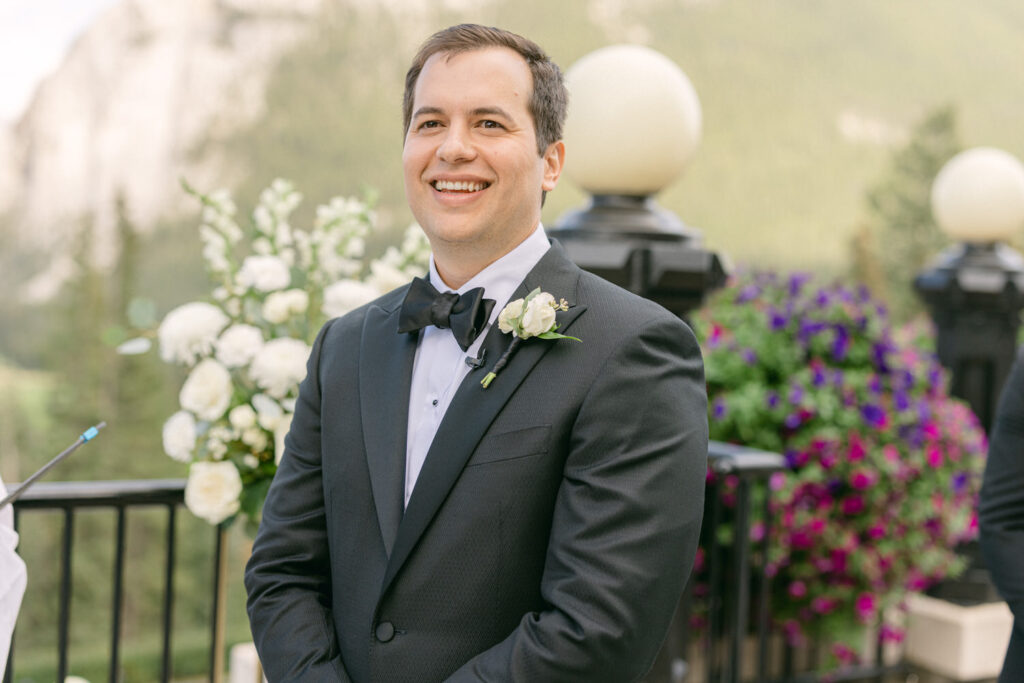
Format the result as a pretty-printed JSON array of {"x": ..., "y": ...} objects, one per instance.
[{"x": 385, "y": 631}]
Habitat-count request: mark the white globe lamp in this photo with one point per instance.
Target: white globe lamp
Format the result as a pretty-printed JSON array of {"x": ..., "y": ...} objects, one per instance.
[
  {"x": 978, "y": 196},
  {"x": 633, "y": 126}
]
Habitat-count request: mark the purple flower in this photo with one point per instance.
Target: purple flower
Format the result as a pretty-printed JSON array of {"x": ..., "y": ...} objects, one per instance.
[
  {"x": 718, "y": 408},
  {"x": 900, "y": 400},
  {"x": 748, "y": 293},
  {"x": 796, "y": 283},
  {"x": 818, "y": 375},
  {"x": 772, "y": 399},
  {"x": 822, "y": 299},
  {"x": 749, "y": 356},
  {"x": 777, "y": 319},
  {"x": 874, "y": 415},
  {"x": 841, "y": 345},
  {"x": 796, "y": 393},
  {"x": 959, "y": 482}
]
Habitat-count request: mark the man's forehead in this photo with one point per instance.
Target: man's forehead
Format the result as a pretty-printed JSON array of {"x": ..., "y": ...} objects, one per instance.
[{"x": 501, "y": 59}]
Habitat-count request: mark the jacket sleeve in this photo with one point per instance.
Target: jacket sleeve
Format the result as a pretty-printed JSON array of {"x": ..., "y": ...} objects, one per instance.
[
  {"x": 1001, "y": 505},
  {"x": 626, "y": 520},
  {"x": 288, "y": 575}
]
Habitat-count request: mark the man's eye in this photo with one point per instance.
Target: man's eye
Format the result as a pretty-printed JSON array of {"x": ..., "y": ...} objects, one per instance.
[
  {"x": 430, "y": 124},
  {"x": 491, "y": 124}
]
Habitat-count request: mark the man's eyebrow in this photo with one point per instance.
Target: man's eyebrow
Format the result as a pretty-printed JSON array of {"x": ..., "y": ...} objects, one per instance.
[
  {"x": 426, "y": 110},
  {"x": 491, "y": 111}
]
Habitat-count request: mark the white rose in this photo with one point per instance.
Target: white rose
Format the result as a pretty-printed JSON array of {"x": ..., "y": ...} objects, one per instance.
[
  {"x": 250, "y": 461},
  {"x": 242, "y": 417},
  {"x": 280, "y": 365},
  {"x": 189, "y": 331},
  {"x": 212, "y": 490},
  {"x": 264, "y": 273},
  {"x": 539, "y": 315},
  {"x": 180, "y": 436},
  {"x": 346, "y": 295},
  {"x": 238, "y": 345},
  {"x": 386, "y": 277},
  {"x": 283, "y": 425},
  {"x": 512, "y": 310},
  {"x": 207, "y": 391}
]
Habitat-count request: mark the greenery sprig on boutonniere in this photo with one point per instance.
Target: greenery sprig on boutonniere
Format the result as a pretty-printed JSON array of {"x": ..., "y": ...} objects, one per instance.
[{"x": 533, "y": 316}]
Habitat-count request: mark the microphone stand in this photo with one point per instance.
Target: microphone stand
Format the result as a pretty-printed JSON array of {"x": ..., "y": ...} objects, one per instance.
[{"x": 86, "y": 437}]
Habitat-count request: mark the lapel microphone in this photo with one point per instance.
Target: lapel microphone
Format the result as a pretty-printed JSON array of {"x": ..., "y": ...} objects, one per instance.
[{"x": 478, "y": 361}]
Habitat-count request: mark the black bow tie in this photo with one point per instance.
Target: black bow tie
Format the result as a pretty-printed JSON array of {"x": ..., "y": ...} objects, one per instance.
[{"x": 466, "y": 314}]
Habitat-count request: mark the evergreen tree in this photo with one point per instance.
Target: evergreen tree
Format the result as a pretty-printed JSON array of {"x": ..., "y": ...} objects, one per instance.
[{"x": 900, "y": 235}]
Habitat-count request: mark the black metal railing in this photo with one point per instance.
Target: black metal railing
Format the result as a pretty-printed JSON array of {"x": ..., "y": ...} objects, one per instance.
[
  {"x": 122, "y": 496},
  {"x": 737, "y": 640}
]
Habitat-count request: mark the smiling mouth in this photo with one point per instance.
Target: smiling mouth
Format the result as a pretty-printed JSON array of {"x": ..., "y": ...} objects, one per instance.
[{"x": 458, "y": 186}]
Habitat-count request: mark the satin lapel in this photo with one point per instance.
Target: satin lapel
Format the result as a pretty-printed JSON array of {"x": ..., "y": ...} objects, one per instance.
[
  {"x": 385, "y": 374},
  {"x": 473, "y": 408}
]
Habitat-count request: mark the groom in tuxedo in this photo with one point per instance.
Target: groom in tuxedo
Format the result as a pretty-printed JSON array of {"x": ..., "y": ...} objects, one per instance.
[{"x": 423, "y": 527}]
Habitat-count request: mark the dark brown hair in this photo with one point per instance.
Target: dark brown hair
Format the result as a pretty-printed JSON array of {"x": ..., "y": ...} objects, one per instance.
[{"x": 549, "y": 98}]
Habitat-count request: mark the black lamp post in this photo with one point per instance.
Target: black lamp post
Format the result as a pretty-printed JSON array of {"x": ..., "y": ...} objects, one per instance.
[
  {"x": 634, "y": 123},
  {"x": 974, "y": 292}
]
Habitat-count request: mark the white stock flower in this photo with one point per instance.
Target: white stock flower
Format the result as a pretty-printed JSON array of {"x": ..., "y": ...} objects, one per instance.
[
  {"x": 242, "y": 417},
  {"x": 280, "y": 306},
  {"x": 212, "y": 490},
  {"x": 268, "y": 411},
  {"x": 283, "y": 425},
  {"x": 508, "y": 315},
  {"x": 386, "y": 277},
  {"x": 180, "y": 436},
  {"x": 255, "y": 438},
  {"x": 264, "y": 273},
  {"x": 238, "y": 345},
  {"x": 207, "y": 391},
  {"x": 539, "y": 316},
  {"x": 189, "y": 331},
  {"x": 280, "y": 365},
  {"x": 250, "y": 461},
  {"x": 346, "y": 295}
]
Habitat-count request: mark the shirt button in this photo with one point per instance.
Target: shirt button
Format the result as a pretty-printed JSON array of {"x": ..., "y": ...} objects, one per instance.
[
  {"x": 434, "y": 402},
  {"x": 385, "y": 631}
]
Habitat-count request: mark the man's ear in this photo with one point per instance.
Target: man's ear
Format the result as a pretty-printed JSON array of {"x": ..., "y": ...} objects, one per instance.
[{"x": 554, "y": 160}]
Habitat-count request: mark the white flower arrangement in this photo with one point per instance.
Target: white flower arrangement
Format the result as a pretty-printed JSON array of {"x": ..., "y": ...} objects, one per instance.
[{"x": 246, "y": 349}]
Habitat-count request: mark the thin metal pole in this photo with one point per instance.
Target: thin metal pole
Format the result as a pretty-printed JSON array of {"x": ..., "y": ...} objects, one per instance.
[
  {"x": 220, "y": 580},
  {"x": 64, "y": 617},
  {"x": 741, "y": 543},
  {"x": 763, "y": 608},
  {"x": 715, "y": 602},
  {"x": 118, "y": 599},
  {"x": 165, "y": 666}
]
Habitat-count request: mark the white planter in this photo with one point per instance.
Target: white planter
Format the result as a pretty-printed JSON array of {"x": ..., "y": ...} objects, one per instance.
[{"x": 962, "y": 643}]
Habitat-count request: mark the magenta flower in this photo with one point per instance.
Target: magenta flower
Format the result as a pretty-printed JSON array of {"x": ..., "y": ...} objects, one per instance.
[{"x": 865, "y": 607}]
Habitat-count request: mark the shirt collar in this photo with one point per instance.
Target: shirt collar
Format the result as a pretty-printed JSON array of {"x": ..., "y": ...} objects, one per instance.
[{"x": 501, "y": 278}]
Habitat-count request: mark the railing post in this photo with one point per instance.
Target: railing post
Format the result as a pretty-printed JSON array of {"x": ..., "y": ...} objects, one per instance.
[{"x": 220, "y": 581}]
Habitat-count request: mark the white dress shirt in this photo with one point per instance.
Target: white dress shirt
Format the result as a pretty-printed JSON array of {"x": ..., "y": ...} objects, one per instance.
[
  {"x": 440, "y": 364},
  {"x": 12, "y": 579}
]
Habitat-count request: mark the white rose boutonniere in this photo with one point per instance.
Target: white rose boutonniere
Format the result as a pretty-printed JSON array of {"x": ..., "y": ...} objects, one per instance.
[{"x": 533, "y": 316}]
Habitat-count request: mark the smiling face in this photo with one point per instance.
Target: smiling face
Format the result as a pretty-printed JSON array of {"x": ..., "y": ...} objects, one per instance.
[{"x": 473, "y": 177}]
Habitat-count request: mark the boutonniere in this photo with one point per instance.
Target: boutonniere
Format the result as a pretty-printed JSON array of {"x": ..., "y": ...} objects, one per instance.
[{"x": 533, "y": 316}]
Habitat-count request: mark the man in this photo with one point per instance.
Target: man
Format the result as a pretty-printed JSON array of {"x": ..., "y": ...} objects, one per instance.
[
  {"x": 422, "y": 527},
  {"x": 1001, "y": 512}
]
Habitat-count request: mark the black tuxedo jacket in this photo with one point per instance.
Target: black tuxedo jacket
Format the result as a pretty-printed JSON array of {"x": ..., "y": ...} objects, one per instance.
[
  {"x": 551, "y": 529},
  {"x": 1001, "y": 512}
]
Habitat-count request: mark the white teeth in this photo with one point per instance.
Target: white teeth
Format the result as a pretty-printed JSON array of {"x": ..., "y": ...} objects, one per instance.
[{"x": 458, "y": 186}]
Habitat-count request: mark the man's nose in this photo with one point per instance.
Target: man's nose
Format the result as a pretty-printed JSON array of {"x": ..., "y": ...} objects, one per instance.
[{"x": 456, "y": 146}]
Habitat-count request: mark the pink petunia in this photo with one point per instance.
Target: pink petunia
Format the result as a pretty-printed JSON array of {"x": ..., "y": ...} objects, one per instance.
[
  {"x": 865, "y": 606},
  {"x": 853, "y": 505},
  {"x": 797, "y": 589},
  {"x": 934, "y": 456}
]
